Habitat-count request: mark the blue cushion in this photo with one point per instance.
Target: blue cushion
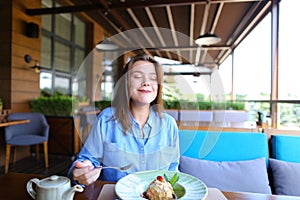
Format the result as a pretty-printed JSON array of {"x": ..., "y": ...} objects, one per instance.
[
  {"x": 286, "y": 147},
  {"x": 223, "y": 146},
  {"x": 244, "y": 176},
  {"x": 286, "y": 177}
]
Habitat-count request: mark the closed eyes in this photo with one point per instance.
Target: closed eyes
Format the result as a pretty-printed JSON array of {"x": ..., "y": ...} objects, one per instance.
[{"x": 139, "y": 75}]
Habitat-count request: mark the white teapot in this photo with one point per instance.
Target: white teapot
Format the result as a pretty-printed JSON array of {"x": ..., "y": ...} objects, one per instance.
[{"x": 52, "y": 188}]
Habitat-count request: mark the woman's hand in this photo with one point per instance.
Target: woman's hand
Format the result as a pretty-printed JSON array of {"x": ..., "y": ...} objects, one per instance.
[{"x": 85, "y": 173}]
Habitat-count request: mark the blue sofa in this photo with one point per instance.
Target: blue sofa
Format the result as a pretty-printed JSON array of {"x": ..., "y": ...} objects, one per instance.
[
  {"x": 286, "y": 148},
  {"x": 230, "y": 161},
  {"x": 240, "y": 161},
  {"x": 223, "y": 146},
  {"x": 285, "y": 164}
]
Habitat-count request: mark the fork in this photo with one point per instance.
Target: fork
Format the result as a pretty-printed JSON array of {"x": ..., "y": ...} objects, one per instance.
[{"x": 122, "y": 169}]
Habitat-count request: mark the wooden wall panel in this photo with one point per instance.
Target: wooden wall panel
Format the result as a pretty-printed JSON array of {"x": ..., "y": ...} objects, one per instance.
[
  {"x": 19, "y": 14},
  {"x": 5, "y": 49},
  {"x": 5, "y": 3},
  {"x": 25, "y": 74},
  {"x": 34, "y": 44},
  {"x": 6, "y": 12},
  {"x": 5, "y": 39},
  {"x": 24, "y": 82},
  {"x": 5, "y": 56},
  {"x": 20, "y": 51},
  {"x": 23, "y": 97},
  {"x": 21, "y": 86},
  {"x": 5, "y": 86},
  {"x": 4, "y": 74},
  {"x": 21, "y": 107},
  {"x": 22, "y": 4}
]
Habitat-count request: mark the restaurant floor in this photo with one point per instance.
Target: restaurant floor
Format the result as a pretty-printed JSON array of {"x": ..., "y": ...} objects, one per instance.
[{"x": 58, "y": 165}]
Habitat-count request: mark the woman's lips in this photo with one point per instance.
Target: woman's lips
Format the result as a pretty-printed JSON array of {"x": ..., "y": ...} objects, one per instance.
[{"x": 144, "y": 91}]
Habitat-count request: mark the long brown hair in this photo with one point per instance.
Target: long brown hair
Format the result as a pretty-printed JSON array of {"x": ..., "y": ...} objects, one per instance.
[{"x": 121, "y": 100}]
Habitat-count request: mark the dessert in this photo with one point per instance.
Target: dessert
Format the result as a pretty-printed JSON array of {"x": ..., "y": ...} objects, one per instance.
[{"x": 159, "y": 189}]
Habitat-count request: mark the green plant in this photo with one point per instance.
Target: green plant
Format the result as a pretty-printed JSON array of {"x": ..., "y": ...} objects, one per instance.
[
  {"x": 203, "y": 105},
  {"x": 188, "y": 105},
  {"x": 171, "y": 104},
  {"x": 102, "y": 104},
  {"x": 1, "y": 104},
  {"x": 55, "y": 105}
]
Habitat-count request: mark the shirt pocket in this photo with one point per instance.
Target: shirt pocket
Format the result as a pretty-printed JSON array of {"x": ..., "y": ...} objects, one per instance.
[
  {"x": 114, "y": 155},
  {"x": 162, "y": 158},
  {"x": 168, "y": 155}
]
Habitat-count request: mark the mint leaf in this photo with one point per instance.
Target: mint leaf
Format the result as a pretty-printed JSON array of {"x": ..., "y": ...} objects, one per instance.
[
  {"x": 166, "y": 177},
  {"x": 174, "y": 179}
]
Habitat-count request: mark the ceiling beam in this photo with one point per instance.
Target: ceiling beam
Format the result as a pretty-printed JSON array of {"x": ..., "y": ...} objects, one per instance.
[
  {"x": 154, "y": 3},
  {"x": 192, "y": 27},
  {"x": 122, "y": 22},
  {"x": 213, "y": 27},
  {"x": 244, "y": 31},
  {"x": 134, "y": 4},
  {"x": 139, "y": 25},
  {"x": 164, "y": 3},
  {"x": 64, "y": 9},
  {"x": 182, "y": 48},
  {"x": 202, "y": 30},
  {"x": 156, "y": 29},
  {"x": 172, "y": 26}
]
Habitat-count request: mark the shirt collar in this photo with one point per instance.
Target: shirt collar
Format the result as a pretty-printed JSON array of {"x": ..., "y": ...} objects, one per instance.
[{"x": 149, "y": 121}]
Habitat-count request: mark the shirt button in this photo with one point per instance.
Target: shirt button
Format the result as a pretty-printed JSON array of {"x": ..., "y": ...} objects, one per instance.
[{"x": 142, "y": 149}]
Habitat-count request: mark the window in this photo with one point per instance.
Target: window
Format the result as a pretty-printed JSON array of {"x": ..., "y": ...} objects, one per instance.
[
  {"x": 63, "y": 50},
  {"x": 252, "y": 64},
  {"x": 108, "y": 78},
  {"x": 288, "y": 31},
  {"x": 46, "y": 82},
  {"x": 252, "y": 68},
  {"x": 249, "y": 67},
  {"x": 288, "y": 78},
  {"x": 225, "y": 71}
]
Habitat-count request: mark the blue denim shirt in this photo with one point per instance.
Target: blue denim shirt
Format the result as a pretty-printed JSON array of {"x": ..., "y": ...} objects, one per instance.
[{"x": 107, "y": 145}]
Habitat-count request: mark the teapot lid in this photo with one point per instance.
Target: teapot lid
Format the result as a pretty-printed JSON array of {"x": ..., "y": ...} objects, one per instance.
[{"x": 54, "y": 181}]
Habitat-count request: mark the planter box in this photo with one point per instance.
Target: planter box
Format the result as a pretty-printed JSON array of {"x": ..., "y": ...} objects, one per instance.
[
  {"x": 63, "y": 136},
  {"x": 215, "y": 118},
  {"x": 191, "y": 115},
  {"x": 173, "y": 113},
  {"x": 196, "y": 115},
  {"x": 231, "y": 116}
]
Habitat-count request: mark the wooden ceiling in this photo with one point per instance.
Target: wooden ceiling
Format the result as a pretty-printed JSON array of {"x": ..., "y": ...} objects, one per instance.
[{"x": 168, "y": 28}]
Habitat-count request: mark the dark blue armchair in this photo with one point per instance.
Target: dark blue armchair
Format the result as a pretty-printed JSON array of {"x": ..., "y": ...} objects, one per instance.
[{"x": 34, "y": 133}]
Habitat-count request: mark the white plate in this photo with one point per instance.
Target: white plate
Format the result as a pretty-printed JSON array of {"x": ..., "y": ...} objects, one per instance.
[{"x": 132, "y": 186}]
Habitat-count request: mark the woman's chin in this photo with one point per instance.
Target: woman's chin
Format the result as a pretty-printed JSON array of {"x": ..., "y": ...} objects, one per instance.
[{"x": 143, "y": 101}]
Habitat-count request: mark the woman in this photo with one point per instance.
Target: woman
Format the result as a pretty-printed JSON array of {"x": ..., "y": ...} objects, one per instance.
[{"x": 133, "y": 130}]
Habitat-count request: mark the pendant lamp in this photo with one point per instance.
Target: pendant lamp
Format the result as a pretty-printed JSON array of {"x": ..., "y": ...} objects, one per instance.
[
  {"x": 106, "y": 45},
  {"x": 207, "y": 39}
]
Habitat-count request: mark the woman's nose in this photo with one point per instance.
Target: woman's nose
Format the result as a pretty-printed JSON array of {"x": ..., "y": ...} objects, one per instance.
[{"x": 146, "y": 83}]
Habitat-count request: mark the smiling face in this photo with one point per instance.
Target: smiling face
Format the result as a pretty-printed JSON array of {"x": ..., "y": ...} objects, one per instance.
[{"x": 143, "y": 83}]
